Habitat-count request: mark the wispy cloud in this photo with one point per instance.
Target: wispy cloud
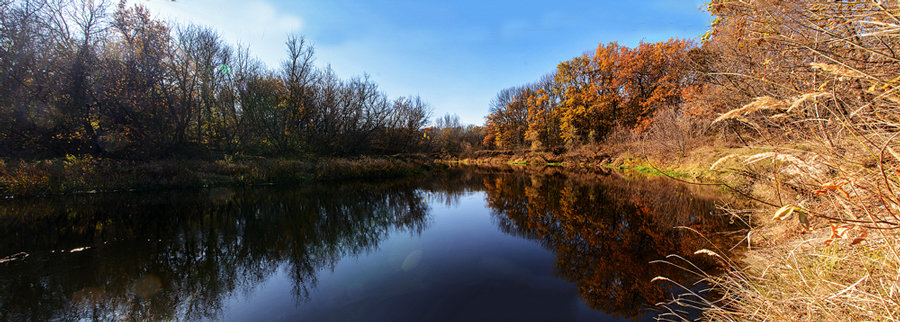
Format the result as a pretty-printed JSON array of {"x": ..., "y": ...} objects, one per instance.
[{"x": 259, "y": 25}]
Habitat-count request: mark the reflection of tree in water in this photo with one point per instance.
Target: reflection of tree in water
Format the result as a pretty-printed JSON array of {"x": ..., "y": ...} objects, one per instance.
[
  {"x": 449, "y": 186},
  {"x": 605, "y": 230},
  {"x": 182, "y": 254}
]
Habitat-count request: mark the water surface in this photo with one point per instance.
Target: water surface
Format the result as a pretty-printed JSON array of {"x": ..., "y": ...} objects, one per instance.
[{"x": 463, "y": 245}]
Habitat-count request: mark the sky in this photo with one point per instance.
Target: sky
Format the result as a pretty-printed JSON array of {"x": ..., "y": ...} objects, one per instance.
[{"x": 455, "y": 54}]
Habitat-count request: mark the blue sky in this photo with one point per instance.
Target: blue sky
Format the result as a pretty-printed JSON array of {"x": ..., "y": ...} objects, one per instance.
[{"x": 456, "y": 54}]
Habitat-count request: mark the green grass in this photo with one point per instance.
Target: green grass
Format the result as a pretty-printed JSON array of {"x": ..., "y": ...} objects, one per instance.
[{"x": 650, "y": 170}]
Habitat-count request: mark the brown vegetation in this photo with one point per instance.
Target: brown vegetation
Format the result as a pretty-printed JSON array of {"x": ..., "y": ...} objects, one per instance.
[
  {"x": 814, "y": 87},
  {"x": 90, "y": 174},
  {"x": 795, "y": 104}
]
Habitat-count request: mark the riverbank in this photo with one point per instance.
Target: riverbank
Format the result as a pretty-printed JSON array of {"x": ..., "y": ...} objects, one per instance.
[
  {"x": 804, "y": 261},
  {"x": 705, "y": 164},
  {"x": 85, "y": 174}
]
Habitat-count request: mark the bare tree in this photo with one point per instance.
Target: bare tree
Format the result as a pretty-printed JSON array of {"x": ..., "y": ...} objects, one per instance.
[{"x": 84, "y": 76}]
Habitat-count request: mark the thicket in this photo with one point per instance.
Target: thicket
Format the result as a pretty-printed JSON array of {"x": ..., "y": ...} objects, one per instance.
[
  {"x": 591, "y": 96},
  {"x": 91, "y": 77},
  {"x": 813, "y": 86},
  {"x": 450, "y": 138}
]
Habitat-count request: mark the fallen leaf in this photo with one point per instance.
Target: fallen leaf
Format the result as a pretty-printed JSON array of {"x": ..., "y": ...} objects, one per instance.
[
  {"x": 843, "y": 232},
  {"x": 862, "y": 237},
  {"x": 832, "y": 186}
]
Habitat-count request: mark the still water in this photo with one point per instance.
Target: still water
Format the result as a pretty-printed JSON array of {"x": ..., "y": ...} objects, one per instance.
[{"x": 461, "y": 245}]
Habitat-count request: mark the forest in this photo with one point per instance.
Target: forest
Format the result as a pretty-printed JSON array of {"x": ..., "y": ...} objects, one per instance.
[
  {"x": 105, "y": 79},
  {"x": 589, "y": 96}
]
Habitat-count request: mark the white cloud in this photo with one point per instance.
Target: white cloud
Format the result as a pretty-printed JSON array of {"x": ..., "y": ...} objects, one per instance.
[{"x": 256, "y": 24}]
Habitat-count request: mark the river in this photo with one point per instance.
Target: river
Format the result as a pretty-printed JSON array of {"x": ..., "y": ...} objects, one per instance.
[{"x": 465, "y": 244}]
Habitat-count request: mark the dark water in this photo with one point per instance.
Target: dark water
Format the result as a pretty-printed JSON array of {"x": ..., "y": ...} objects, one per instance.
[{"x": 465, "y": 245}]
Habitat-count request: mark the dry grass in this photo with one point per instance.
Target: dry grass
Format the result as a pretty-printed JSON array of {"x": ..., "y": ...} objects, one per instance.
[
  {"x": 90, "y": 174},
  {"x": 829, "y": 151},
  {"x": 802, "y": 279},
  {"x": 793, "y": 276}
]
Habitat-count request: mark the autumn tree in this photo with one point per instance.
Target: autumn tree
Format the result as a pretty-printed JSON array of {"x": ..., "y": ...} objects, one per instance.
[
  {"x": 134, "y": 98},
  {"x": 507, "y": 121},
  {"x": 655, "y": 75},
  {"x": 590, "y": 94},
  {"x": 543, "y": 128},
  {"x": 589, "y": 90}
]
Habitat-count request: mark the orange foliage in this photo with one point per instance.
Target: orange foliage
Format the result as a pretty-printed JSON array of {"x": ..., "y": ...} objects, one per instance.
[{"x": 589, "y": 94}]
